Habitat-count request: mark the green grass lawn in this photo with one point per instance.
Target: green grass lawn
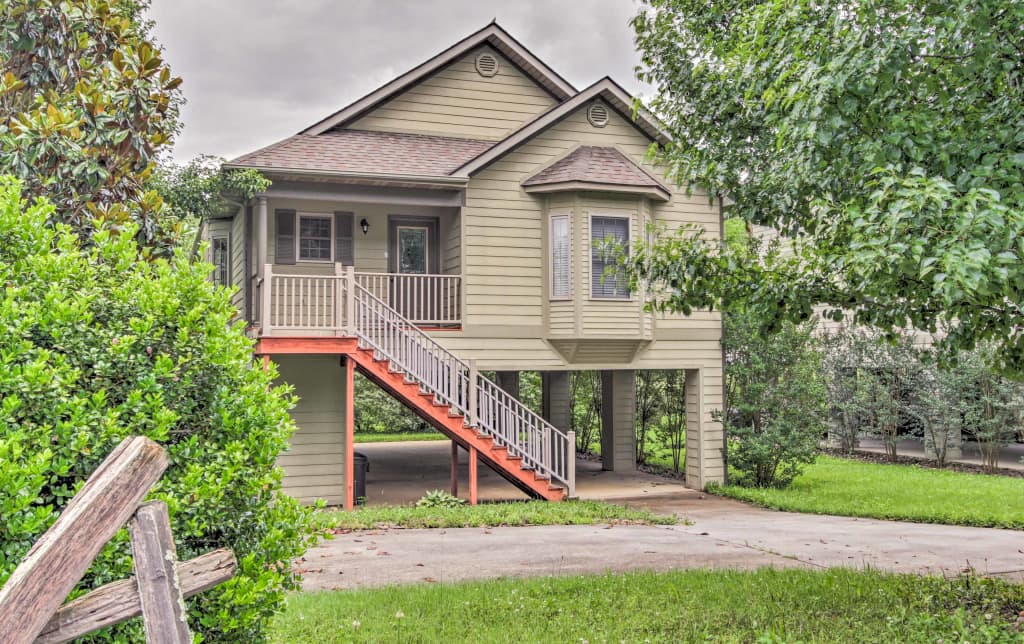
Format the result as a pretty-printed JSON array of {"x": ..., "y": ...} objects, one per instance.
[
  {"x": 770, "y": 606},
  {"x": 488, "y": 514},
  {"x": 398, "y": 438},
  {"x": 854, "y": 488}
]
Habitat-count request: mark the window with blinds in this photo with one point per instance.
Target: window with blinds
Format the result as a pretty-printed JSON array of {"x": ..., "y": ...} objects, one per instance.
[
  {"x": 560, "y": 255},
  {"x": 605, "y": 280}
]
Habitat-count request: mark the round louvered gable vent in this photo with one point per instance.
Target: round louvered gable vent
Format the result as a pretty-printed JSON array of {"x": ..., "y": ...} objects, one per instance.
[
  {"x": 487, "y": 64},
  {"x": 598, "y": 115}
]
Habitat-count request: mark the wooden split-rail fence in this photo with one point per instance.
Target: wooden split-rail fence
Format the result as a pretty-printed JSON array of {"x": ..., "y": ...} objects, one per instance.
[{"x": 31, "y": 600}]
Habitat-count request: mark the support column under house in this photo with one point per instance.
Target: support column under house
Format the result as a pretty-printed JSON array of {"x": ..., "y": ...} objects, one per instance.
[{"x": 618, "y": 420}]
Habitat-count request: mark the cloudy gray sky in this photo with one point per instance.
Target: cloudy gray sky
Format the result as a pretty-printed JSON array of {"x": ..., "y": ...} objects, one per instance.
[{"x": 256, "y": 71}]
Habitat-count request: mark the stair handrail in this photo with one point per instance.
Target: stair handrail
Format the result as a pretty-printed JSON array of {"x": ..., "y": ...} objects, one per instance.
[{"x": 546, "y": 448}]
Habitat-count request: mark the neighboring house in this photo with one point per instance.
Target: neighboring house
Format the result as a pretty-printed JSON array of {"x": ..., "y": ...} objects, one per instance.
[{"x": 443, "y": 226}]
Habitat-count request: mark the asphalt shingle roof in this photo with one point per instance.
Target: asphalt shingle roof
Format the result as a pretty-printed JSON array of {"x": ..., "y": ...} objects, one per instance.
[
  {"x": 594, "y": 164},
  {"x": 366, "y": 152}
]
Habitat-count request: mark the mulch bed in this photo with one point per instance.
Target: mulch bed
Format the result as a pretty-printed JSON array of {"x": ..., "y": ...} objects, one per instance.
[{"x": 875, "y": 457}]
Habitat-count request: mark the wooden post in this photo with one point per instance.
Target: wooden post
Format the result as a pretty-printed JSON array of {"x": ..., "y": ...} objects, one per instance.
[
  {"x": 455, "y": 469},
  {"x": 340, "y": 297},
  {"x": 154, "y": 559},
  {"x": 350, "y": 300},
  {"x": 265, "y": 300},
  {"x": 350, "y": 434},
  {"x": 570, "y": 465},
  {"x": 472, "y": 476},
  {"x": 57, "y": 561},
  {"x": 118, "y": 601},
  {"x": 474, "y": 403}
]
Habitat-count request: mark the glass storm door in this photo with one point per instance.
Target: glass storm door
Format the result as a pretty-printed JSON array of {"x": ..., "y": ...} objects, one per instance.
[{"x": 410, "y": 294}]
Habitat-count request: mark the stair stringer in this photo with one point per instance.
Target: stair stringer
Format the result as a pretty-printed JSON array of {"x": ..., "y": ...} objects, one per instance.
[{"x": 453, "y": 426}]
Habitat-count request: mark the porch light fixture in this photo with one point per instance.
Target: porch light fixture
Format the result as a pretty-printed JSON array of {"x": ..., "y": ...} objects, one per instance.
[{"x": 365, "y": 225}]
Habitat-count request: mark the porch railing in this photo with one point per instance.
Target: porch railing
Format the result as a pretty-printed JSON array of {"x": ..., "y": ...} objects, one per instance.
[
  {"x": 316, "y": 303},
  {"x": 427, "y": 300}
]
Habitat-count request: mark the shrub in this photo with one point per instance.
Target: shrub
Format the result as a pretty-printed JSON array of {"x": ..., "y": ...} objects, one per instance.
[
  {"x": 776, "y": 401},
  {"x": 439, "y": 499},
  {"x": 95, "y": 346}
]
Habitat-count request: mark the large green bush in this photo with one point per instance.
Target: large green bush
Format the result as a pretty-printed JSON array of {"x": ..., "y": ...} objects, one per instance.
[
  {"x": 95, "y": 346},
  {"x": 776, "y": 400}
]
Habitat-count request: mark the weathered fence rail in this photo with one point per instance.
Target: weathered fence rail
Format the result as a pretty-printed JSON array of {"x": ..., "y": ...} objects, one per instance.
[{"x": 30, "y": 600}]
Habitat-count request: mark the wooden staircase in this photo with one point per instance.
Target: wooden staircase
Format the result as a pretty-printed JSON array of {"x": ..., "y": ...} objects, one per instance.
[
  {"x": 452, "y": 423},
  {"x": 443, "y": 389}
]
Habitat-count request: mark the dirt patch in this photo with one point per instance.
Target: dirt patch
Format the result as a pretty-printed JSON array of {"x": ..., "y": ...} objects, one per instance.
[{"x": 875, "y": 457}]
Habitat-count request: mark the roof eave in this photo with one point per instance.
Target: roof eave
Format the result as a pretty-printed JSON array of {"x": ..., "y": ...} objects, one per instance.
[
  {"x": 439, "y": 180},
  {"x": 655, "y": 192}
]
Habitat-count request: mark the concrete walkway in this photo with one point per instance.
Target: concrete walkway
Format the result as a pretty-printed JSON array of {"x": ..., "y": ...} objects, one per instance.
[{"x": 723, "y": 534}]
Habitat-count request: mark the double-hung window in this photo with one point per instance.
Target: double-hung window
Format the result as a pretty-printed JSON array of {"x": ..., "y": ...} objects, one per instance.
[
  {"x": 560, "y": 257},
  {"x": 607, "y": 235},
  {"x": 315, "y": 238}
]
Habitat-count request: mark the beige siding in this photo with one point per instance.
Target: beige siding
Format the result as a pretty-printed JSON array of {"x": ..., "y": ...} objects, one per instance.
[
  {"x": 314, "y": 465},
  {"x": 459, "y": 102},
  {"x": 505, "y": 262}
]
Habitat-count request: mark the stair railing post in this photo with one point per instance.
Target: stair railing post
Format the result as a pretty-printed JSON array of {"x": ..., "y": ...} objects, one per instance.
[
  {"x": 340, "y": 293},
  {"x": 570, "y": 464},
  {"x": 350, "y": 300},
  {"x": 268, "y": 279},
  {"x": 473, "y": 393}
]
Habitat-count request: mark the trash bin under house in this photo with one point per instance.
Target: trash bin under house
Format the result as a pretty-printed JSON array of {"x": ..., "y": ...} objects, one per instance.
[{"x": 362, "y": 465}]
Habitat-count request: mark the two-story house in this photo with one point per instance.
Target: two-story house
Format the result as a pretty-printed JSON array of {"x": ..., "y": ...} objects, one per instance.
[{"x": 448, "y": 225}]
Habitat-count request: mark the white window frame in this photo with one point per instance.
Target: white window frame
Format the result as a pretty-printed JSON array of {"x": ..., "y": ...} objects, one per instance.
[
  {"x": 551, "y": 256},
  {"x": 298, "y": 236},
  {"x": 590, "y": 254},
  {"x": 227, "y": 259}
]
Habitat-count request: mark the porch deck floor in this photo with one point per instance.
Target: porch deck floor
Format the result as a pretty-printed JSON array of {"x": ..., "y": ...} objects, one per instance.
[{"x": 401, "y": 473}]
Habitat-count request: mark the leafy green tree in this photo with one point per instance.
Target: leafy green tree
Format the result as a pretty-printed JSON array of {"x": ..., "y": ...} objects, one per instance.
[
  {"x": 86, "y": 105},
  {"x": 96, "y": 346},
  {"x": 884, "y": 136},
  {"x": 777, "y": 401},
  {"x": 198, "y": 190}
]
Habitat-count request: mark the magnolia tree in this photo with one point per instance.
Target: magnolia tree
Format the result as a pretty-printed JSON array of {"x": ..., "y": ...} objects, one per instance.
[
  {"x": 86, "y": 105},
  {"x": 96, "y": 346},
  {"x": 883, "y": 136}
]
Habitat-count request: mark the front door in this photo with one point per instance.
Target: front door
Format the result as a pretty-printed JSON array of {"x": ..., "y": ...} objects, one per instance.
[{"x": 410, "y": 293}]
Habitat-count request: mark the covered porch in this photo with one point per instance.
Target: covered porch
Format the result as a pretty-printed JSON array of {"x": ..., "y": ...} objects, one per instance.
[{"x": 403, "y": 246}]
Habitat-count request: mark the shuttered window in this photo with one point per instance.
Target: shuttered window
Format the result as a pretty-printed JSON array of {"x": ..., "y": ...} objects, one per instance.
[
  {"x": 560, "y": 257},
  {"x": 344, "y": 244},
  {"x": 605, "y": 280}
]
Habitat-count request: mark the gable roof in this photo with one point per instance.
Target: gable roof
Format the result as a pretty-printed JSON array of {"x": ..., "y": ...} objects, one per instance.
[
  {"x": 595, "y": 168},
  {"x": 492, "y": 34},
  {"x": 605, "y": 89},
  {"x": 364, "y": 152}
]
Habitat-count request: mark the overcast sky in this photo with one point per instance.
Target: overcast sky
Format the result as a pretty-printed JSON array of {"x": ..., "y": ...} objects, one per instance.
[{"x": 256, "y": 71}]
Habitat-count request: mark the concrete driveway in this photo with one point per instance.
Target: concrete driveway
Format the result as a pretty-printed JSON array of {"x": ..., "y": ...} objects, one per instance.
[{"x": 723, "y": 534}]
